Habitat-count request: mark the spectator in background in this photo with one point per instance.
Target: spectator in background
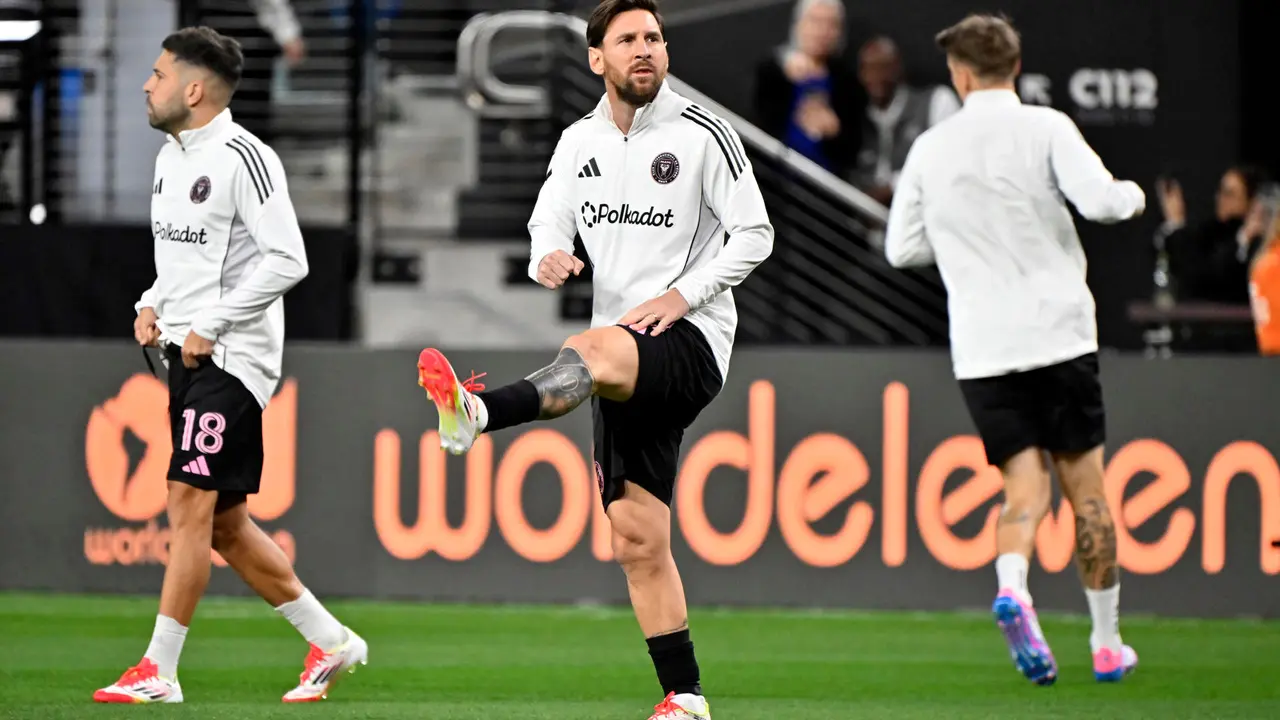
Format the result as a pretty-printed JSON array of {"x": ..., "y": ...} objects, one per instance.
[
  {"x": 805, "y": 96},
  {"x": 1211, "y": 262},
  {"x": 13, "y": 11},
  {"x": 278, "y": 34},
  {"x": 1264, "y": 288},
  {"x": 896, "y": 114}
]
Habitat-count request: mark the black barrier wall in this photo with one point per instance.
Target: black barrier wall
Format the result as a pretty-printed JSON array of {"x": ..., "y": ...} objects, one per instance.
[
  {"x": 824, "y": 479},
  {"x": 82, "y": 281}
]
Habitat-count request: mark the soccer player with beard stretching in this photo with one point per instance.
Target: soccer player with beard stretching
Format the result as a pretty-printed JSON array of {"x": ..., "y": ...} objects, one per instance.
[{"x": 653, "y": 184}]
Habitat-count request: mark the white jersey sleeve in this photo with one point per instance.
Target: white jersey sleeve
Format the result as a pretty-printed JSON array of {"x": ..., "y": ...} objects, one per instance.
[
  {"x": 148, "y": 299},
  {"x": 261, "y": 197},
  {"x": 1086, "y": 182},
  {"x": 553, "y": 223},
  {"x": 731, "y": 192},
  {"x": 906, "y": 244}
]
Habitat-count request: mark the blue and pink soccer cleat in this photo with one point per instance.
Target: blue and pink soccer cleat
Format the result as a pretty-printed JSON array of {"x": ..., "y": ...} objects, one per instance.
[
  {"x": 1021, "y": 629},
  {"x": 1111, "y": 666}
]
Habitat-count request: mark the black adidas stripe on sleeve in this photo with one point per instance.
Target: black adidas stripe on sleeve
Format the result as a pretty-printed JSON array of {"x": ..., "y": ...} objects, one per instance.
[
  {"x": 255, "y": 165},
  {"x": 735, "y": 146},
  {"x": 723, "y": 139}
]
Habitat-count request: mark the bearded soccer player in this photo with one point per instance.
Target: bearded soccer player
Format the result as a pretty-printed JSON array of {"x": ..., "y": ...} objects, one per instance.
[
  {"x": 652, "y": 183},
  {"x": 227, "y": 248}
]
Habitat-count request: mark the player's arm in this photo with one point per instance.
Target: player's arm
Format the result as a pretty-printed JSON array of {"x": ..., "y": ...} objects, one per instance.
[
  {"x": 553, "y": 223},
  {"x": 277, "y": 17},
  {"x": 730, "y": 188},
  {"x": 262, "y": 201},
  {"x": 149, "y": 296},
  {"x": 906, "y": 244},
  {"x": 1086, "y": 182}
]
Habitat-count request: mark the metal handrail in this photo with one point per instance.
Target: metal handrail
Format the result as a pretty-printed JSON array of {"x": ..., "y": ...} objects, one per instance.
[{"x": 476, "y": 77}]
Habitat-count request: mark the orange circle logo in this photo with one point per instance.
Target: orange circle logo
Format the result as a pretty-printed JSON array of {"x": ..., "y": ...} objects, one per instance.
[{"x": 140, "y": 407}]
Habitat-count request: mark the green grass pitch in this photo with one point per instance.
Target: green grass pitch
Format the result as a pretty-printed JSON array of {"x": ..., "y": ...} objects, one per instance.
[{"x": 522, "y": 663}]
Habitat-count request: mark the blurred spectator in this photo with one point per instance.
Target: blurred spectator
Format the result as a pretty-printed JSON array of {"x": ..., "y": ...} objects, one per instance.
[
  {"x": 805, "y": 96},
  {"x": 12, "y": 10},
  {"x": 1264, "y": 287},
  {"x": 1210, "y": 262},
  {"x": 896, "y": 114},
  {"x": 278, "y": 35}
]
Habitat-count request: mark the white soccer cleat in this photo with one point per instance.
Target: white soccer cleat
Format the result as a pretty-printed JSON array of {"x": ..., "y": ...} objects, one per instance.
[
  {"x": 459, "y": 409},
  {"x": 323, "y": 669},
  {"x": 141, "y": 684},
  {"x": 682, "y": 707}
]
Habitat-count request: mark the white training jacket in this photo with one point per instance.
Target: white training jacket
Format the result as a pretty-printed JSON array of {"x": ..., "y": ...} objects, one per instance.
[
  {"x": 653, "y": 208},
  {"x": 984, "y": 196},
  {"x": 227, "y": 248}
]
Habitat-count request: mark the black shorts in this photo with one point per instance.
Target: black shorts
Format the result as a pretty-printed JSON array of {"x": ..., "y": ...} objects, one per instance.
[
  {"x": 639, "y": 440},
  {"x": 1057, "y": 408},
  {"x": 216, "y": 425}
]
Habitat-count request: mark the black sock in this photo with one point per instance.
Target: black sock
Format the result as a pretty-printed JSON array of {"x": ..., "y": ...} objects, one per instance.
[
  {"x": 673, "y": 659},
  {"x": 511, "y": 405}
]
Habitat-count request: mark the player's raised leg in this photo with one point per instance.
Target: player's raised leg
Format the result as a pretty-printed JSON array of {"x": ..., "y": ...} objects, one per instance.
[
  {"x": 336, "y": 650},
  {"x": 155, "y": 678},
  {"x": 599, "y": 361},
  {"x": 1081, "y": 479},
  {"x": 641, "y": 527},
  {"x": 1026, "y": 502}
]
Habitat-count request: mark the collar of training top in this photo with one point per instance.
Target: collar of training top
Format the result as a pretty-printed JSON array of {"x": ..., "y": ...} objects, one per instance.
[
  {"x": 989, "y": 98},
  {"x": 190, "y": 139},
  {"x": 645, "y": 113}
]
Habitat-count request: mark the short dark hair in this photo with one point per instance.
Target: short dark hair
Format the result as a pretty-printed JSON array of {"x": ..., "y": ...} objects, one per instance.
[
  {"x": 605, "y": 12},
  {"x": 987, "y": 43},
  {"x": 206, "y": 48}
]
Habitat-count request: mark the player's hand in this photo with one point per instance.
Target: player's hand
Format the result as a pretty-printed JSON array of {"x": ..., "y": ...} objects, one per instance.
[
  {"x": 659, "y": 313},
  {"x": 294, "y": 51},
  {"x": 1254, "y": 223},
  {"x": 1172, "y": 203},
  {"x": 144, "y": 328},
  {"x": 556, "y": 267},
  {"x": 195, "y": 349}
]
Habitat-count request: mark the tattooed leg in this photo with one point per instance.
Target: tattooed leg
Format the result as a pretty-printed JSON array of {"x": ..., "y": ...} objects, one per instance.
[
  {"x": 563, "y": 385},
  {"x": 1096, "y": 544}
]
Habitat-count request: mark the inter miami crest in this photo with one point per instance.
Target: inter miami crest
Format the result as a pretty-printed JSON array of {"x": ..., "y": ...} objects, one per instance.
[
  {"x": 200, "y": 190},
  {"x": 665, "y": 168}
]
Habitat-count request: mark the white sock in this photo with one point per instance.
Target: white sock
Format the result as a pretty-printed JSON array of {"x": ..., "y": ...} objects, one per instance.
[
  {"x": 1011, "y": 574},
  {"x": 166, "y": 646},
  {"x": 693, "y": 703},
  {"x": 1104, "y": 606},
  {"x": 317, "y": 625}
]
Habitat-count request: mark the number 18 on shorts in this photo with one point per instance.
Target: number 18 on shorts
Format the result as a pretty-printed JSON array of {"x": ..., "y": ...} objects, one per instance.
[{"x": 216, "y": 426}]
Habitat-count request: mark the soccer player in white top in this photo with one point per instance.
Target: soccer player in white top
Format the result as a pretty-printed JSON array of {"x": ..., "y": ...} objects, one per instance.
[
  {"x": 227, "y": 249},
  {"x": 982, "y": 195},
  {"x": 653, "y": 184}
]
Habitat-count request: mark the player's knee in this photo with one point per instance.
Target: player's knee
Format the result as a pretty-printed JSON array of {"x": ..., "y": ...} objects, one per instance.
[
  {"x": 640, "y": 542},
  {"x": 603, "y": 350},
  {"x": 639, "y": 552},
  {"x": 227, "y": 531}
]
